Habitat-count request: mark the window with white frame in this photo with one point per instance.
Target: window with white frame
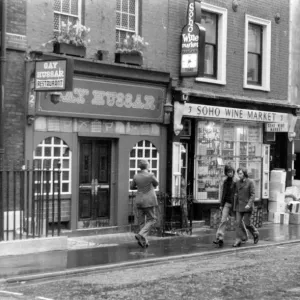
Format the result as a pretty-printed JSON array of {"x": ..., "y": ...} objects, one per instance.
[
  {"x": 66, "y": 11},
  {"x": 47, "y": 155},
  {"x": 143, "y": 150},
  {"x": 257, "y": 53},
  {"x": 126, "y": 19},
  {"x": 214, "y": 20}
]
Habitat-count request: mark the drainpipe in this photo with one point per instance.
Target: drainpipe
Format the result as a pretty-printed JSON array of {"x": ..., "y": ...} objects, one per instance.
[{"x": 2, "y": 85}]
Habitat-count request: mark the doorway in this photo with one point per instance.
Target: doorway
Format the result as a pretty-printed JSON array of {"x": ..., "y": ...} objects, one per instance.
[{"x": 94, "y": 183}]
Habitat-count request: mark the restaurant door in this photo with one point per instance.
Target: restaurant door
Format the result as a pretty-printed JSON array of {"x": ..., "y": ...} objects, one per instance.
[{"x": 94, "y": 182}]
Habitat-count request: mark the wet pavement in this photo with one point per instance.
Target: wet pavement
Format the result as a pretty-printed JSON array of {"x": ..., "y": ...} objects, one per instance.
[{"x": 101, "y": 250}]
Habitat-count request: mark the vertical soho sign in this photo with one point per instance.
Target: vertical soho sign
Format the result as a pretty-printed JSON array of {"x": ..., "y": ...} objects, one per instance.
[{"x": 191, "y": 40}]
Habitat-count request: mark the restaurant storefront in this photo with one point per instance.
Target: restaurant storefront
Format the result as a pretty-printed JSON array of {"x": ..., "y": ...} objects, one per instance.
[{"x": 113, "y": 117}]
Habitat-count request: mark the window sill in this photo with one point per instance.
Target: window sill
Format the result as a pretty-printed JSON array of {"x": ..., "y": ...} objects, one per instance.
[
  {"x": 256, "y": 87},
  {"x": 210, "y": 80}
]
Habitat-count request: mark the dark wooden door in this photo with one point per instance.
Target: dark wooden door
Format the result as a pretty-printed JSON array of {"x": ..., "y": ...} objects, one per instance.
[{"x": 94, "y": 180}]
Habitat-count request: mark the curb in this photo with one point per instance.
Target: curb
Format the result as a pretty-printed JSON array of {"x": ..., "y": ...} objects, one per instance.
[{"x": 144, "y": 262}]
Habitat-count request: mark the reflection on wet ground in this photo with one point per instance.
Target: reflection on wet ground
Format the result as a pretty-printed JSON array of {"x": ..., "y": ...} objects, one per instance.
[
  {"x": 200, "y": 241},
  {"x": 100, "y": 252}
]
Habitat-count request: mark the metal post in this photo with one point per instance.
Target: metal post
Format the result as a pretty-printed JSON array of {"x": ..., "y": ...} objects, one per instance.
[{"x": 2, "y": 85}]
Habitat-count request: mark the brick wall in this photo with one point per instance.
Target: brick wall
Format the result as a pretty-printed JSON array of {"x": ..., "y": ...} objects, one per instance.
[
  {"x": 100, "y": 16},
  {"x": 265, "y": 9},
  {"x": 14, "y": 102}
]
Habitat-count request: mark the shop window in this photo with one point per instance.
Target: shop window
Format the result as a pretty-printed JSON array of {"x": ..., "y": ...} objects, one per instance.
[
  {"x": 66, "y": 11},
  {"x": 126, "y": 19},
  {"x": 144, "y": 150},
  {"x": 214, "y": 20},
  {"x": 221, "y": 143},
  {"x": 47, "y": 155},
  {"x": 257, "y": 56}
]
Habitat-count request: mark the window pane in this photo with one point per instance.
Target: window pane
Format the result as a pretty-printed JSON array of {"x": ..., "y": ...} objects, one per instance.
[
  {"x": 74, "y": 7},
  {"x": 140, "y": 153},
  {"x": 209, "y": 21},
  {"x": 65, "y": 175},
  {"x": 65, "y": 163},
  {"x": 125, "y": 5},
  {"x": 65, "y": 187},
  {"x": 56, "y": 151},
  {"x": 209, "y": 60},
  {"x": 132, "y": 153},
  {"x": 66, "y": 6},
  {"x": 132, "y": 164},
  {"x": 254, "y": 38},
  {"x": 38, "y": 151},
  {"x": 131, "y": 6},
  {"x": 47, "y": 151},
  {"x": 253, "y": 67}
]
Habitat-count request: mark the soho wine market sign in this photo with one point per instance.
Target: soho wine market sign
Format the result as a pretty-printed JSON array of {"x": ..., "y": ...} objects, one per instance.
[
  {"x": 192, "y": 45},
  {"x": 207, "y": 111},
  {"x": 50, "y": 75}
]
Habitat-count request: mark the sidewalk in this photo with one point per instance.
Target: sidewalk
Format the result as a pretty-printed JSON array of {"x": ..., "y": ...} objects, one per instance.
[{"x": 91, "y": 253}]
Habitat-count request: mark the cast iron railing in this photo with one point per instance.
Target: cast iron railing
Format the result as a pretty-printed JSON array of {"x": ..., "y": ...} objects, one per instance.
[{"x": 30, "y": 205}]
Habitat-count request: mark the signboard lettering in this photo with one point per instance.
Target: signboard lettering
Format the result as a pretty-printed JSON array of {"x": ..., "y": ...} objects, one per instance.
[
  {"x": 108, "y": 99},
  {"x": 195, "y": 110},
  {"x": 276, "y": 127},
  {"x": 50, "y": 75}
]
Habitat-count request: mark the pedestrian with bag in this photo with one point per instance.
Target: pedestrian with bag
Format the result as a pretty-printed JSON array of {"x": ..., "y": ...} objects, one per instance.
[
  {"x": 146, "y": 201},
  {"x": 226, "y": 207},
  {"x": 243, "y": 205}
]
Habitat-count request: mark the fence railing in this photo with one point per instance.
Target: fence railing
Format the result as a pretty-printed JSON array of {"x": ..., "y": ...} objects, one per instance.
[
  {"x": 175, "y": 214},
  {"x": 30, "y": 203}
]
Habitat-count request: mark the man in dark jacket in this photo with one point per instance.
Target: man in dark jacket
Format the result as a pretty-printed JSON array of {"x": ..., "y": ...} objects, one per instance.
[
  {"x": 226, "y": 206},
  {"x": 146, "y": 201},
  {"x": 243, "y": 205}
]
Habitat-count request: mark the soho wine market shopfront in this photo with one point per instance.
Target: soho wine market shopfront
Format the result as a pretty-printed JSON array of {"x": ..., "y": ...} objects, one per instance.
[
  {"x": 210, "y": 133},
  {"x": 113, "y": 116}
]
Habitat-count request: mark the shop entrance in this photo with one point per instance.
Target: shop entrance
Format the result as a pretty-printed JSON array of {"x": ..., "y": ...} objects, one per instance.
[{"x": 94, "y": 183}]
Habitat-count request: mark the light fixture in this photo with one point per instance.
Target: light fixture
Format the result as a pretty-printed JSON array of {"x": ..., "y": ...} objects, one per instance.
[
  {"x": 30, "y": 120},
  {"x": 168, "y": 108},
  {"x": 54, "y": 97}
]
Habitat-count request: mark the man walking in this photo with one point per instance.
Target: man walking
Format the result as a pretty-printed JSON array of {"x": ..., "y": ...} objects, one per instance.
[
  {"x": 243, "y": 205},
  {"x": 146, "y": 201}
]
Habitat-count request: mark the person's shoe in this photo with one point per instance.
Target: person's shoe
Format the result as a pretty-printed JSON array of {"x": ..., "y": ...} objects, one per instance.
[
  {"x": 140, "y": 240},
  {"x": 237, "y": 244},
  {"x": 244, "y": 240},
  {"x": 216, "y": 241},
  {"x": 256, "y": 238},
  {"x": 221, "y": 243}
]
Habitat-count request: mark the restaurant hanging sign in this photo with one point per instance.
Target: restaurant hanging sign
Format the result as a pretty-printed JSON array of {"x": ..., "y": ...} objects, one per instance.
[
  {"x": 107, "y": 99},
  {"x": 192, "y": 37},
  {"x": 207, "y": 111}
]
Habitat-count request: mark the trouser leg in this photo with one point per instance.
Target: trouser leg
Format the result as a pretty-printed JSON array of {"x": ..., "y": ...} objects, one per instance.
[
  {"x": 222, "y": 227},
  {"x": 249, "y": 225},
  {"x": 238, "y": 225},
  {"x": 151, "y": 218}
]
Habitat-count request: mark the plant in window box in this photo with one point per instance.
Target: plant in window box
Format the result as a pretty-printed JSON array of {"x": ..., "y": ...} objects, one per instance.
[
  {"x": 71, "y": 40},
  {"x": 130, "y": 50}
]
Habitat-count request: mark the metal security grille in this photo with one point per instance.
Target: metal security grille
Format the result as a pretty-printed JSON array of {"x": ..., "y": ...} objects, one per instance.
[
  {"x": 50, "y": 153},
  {"x": 65, "y": 11},
  {"x": 143, "y": 150},
  {"x": 126, "y": 19}
]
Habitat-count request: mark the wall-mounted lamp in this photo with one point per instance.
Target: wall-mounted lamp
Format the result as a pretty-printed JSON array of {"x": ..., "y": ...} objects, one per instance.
[
  {"x": 168, "y": 108},
  {"x": 235, "y": 5},
  {"x": 30, "y": 120},
  {"x": 54, "y": 97},
  {"x": 291, "y": 136},
  {"x": 184, "y": 97}
]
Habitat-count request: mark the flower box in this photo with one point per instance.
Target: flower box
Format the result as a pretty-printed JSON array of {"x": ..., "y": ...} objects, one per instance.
[
  {"x": 129, "y": 58},
  {"x": 69, "y": 49}
]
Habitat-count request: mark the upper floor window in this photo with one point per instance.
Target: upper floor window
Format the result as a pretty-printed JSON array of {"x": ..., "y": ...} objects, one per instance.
[
  {"x": 254, "y": 54},
  {"x": 126, "y": 19},
  {"x": 210, "y": 22},
  {"x": 214, "y": 20},
  {"x": 257, "y": 60},
  {"x": 66, "y": 11}
]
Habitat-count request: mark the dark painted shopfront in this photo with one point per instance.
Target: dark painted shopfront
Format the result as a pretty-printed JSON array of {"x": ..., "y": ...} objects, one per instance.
[
  {"x": 209, "y": 134},
  {"x": 113, "y": 116}
]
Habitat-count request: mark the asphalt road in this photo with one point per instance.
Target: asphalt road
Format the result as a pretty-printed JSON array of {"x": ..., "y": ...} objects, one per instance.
[{"x": 271, "y": 273}]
